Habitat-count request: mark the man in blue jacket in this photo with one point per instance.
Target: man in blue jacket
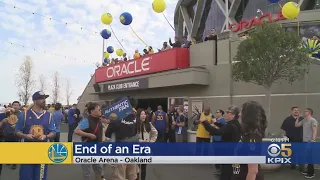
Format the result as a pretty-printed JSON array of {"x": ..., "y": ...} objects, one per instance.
[
  {"x": 72, "y": 121},
  {"x": 220, "y": 121}
]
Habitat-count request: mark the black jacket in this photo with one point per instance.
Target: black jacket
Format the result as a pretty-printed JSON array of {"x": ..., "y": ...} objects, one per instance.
[
  {"x": 175, "y": 44},
  {"x": 231, "y": 132}
]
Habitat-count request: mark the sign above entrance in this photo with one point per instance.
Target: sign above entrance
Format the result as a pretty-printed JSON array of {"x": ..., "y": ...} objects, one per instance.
[
  {"x": 176, "y": 58},
  {"x": 127, "y": 85},
  {"x": 247, "y": 24}
]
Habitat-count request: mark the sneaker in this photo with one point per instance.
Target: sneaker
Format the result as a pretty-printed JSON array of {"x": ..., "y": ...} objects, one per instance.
[
  {"x": 309, "y": 176},
  {"x": 304, "y": 173}
]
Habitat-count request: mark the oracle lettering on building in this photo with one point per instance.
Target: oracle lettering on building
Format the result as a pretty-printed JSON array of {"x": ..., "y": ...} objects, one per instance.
[
  {"x": 247, "y": 24},
  {"x": 132, "y": 67},
  {"x": 176, "y": 58}
]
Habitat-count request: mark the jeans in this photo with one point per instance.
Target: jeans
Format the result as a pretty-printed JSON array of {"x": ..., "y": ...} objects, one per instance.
[
  {"x": 33, "y": 171},
  {"x": 143, "y": 172},
  {"x": 226, "y": 172},
  {"x": 97, "y": 169},
  {"x": 56, "y": 137},
  {"x": 170, "y": 136},
  {"x": 310, "y": 154},
  {"x": 72, "y": 127},
  {"x": 161, "y": 136}
]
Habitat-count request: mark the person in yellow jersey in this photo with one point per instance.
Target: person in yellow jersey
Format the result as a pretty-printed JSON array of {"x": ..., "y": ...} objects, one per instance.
[
  {"x": 150, "y": 49},
  {"x": 136, "y": 54},
  {"x": 202, "y": 134}
]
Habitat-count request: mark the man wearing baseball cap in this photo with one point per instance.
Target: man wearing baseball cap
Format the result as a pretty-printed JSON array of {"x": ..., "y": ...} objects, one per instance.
[{"x": 35, "y": 125}]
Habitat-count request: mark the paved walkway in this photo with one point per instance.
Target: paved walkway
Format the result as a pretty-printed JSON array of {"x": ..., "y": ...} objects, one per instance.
[{"x": 154, "y": 172}]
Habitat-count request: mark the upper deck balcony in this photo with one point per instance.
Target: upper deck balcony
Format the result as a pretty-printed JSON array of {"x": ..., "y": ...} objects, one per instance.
[{"x": 173, "y": 59}]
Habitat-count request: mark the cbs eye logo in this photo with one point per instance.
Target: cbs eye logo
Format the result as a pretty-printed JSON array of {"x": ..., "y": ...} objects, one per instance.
[{"x": 275, "y": 150}]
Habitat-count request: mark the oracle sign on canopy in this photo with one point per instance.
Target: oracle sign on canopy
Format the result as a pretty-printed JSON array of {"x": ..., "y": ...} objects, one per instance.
[
  {"x": 176, "y": 58},
  {"x": 247, "y": 24}
]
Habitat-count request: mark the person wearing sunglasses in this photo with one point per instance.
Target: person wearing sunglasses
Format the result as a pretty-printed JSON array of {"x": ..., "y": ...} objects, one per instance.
[{"x": 231, "y": 132}]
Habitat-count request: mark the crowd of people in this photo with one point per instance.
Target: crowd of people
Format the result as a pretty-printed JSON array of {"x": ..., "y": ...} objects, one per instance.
[
  {"x": 41, "y": 123},
  {"x": 178, "y": 43}
]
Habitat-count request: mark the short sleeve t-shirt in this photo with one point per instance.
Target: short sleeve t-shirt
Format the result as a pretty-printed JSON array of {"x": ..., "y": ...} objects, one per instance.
[
  {"x": 308, "y": 125},
  {"x": 202, "y": 132}
]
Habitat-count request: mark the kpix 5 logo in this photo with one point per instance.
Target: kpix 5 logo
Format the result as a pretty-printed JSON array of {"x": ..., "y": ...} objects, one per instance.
[{"x": 279, "y": 155}]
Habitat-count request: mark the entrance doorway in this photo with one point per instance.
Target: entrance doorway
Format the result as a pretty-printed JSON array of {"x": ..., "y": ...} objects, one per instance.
[{"x": 153, "y": 103}]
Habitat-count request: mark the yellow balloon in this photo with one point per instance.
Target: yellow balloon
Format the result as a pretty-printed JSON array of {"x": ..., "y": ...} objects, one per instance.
[
  {"x": 119, "y": 52},
  {"x": 291, "y": 10},
  {"x": 106, "y": 18},
  {"x": 106, "y": 55},
  {"x": 159, "y": 6}
]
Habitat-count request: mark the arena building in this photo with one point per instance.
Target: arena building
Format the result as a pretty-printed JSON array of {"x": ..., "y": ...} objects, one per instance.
[{"x": 200, "y": 76}]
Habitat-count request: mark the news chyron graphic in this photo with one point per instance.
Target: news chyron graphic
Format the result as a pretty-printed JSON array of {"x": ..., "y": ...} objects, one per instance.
[
  {"x": 279, "y": 154},
  {"x": 58, "y": 153}
]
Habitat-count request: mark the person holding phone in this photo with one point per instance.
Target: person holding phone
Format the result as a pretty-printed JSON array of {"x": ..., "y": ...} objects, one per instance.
[{"x": 310, "y": 127}]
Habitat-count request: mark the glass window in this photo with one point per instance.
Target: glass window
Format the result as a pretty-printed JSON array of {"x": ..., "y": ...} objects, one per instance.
[{"x": 214, "y": 20}]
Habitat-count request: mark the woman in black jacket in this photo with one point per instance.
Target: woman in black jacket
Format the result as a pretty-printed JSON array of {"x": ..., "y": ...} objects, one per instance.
[
  {"x": 231, "y": 132},
  {"x": 254, "y": 124}
]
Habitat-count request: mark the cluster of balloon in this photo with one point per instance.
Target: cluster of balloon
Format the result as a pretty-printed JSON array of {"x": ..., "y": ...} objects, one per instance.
[
  {"x": 159, "y": 6},
  {"x": 106, "y": 18},
  {"x": 105, "y": 34},
  {"x": 126, "y": 18},
  {"x": 291, "y": 10},
  {"x": 119, "y": 52}
]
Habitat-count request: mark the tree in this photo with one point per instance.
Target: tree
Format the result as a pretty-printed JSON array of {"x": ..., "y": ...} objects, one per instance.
[
  {"x": 56, "y": 87},
  {"x": 25, "y": 80},
  {"x": 270, "y": 55},
  {"x": 42, "y": 83},
  {"x": 68, "y": 91}
]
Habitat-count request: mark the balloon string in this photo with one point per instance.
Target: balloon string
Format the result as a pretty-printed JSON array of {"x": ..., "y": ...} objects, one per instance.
[
  {"x": 138, "y": 36},
  {"x": 117, "y": 38},
  {"x": 168, "y": 21},
  {"x": 298, "y": 28}
]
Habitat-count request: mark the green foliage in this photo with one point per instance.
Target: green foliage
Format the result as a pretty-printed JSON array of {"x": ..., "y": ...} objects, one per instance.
[{"x": 270, "y": 54}]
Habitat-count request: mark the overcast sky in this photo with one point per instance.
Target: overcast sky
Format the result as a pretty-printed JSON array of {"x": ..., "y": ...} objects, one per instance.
[{"x": 82, "y": 48}]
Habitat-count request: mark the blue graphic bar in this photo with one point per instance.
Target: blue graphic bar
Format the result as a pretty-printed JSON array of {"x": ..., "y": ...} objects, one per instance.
[{"x": 275, "y": 153}]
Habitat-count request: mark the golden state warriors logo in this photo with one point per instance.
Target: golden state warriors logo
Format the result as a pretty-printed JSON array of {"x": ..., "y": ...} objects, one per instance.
[
  {"x": 113, "y": 116},
  {"x": 12, "y": 119},
  {"x": 58, "y": 153},
  {"x": 36, "y": 130},
  {"x": 236, "y": 168}
]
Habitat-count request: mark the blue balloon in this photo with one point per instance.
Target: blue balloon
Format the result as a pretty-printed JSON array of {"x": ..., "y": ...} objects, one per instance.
[
  {"x": 105, "y": 34},
  {"x": 110, "y": 49},
  {"x": 274, "y": 1},
  {"x": 106, "y": 61},
  {"x": 126, "y": 18}
]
